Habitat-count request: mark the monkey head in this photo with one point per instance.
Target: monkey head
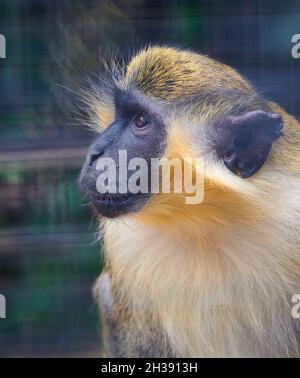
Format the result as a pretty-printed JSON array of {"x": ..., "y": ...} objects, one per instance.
[{"x": 175, "y": 104}]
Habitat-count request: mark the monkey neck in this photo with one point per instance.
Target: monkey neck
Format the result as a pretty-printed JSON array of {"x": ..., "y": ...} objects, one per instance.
[{"x": 216, "y": 289}]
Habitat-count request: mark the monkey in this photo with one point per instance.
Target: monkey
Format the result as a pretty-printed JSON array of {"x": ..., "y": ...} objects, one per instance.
[{"x": 214, "y": 279}]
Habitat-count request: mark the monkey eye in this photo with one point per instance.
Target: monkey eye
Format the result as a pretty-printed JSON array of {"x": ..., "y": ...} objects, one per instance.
[{"x": 141, "y": 120}]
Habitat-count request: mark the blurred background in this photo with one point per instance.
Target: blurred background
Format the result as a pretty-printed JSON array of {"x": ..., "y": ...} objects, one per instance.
[{"x": 49, "y": 256}]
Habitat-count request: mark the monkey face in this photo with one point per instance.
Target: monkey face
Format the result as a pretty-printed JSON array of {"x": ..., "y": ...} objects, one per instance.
[
  {"x": 167, "y": 105},
  {"x": 137, "y": 134}
]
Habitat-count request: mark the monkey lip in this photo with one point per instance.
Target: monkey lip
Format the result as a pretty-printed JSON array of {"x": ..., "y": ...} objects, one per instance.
[
  {"x": 107, "y": 199},
  {"x": 112, "y": 205}
]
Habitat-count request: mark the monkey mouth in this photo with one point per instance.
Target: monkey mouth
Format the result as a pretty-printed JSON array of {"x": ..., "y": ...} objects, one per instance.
[
  {"x": 112, "y": 205},
  {"x": 109, "y": 199}
]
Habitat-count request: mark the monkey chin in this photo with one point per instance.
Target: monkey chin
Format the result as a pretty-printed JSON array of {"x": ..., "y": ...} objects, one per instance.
[{"x": 116, "y": 205}]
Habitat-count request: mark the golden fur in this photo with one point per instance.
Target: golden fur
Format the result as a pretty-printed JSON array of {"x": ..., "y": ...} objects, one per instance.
[{"x": 218, "y": 277}]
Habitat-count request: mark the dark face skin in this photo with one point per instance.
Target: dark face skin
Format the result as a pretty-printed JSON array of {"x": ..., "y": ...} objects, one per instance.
[{"x": 138, "y": 129}]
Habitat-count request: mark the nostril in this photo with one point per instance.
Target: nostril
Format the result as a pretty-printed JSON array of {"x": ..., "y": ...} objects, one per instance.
[{"x": 93, "y": 157}]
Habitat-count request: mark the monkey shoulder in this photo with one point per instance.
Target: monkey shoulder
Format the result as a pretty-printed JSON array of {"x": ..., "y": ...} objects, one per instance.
[
  {"x": 120, "y": 340},
  {"x": 111, "y": 330}
]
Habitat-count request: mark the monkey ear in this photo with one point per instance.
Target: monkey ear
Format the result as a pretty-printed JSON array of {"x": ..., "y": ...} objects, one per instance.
[{"x": 243, "y": 142}]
